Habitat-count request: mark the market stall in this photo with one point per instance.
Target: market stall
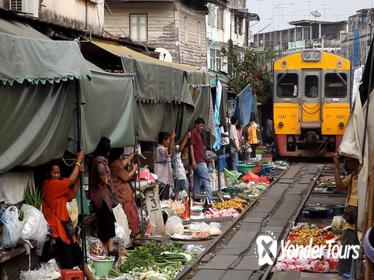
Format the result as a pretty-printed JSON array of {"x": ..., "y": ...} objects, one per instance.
[{"x": 319, "y": 224}]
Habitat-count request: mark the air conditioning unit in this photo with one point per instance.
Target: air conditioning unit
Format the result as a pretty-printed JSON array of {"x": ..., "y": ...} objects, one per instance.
[{"x": 30, "y": 7}]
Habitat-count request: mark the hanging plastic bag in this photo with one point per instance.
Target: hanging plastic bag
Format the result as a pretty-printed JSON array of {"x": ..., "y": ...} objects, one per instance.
[
  {"x": 12, "y": 227},
  {"x": 120, "y": 232},
  {"x": 174, "y": 225},
  {"x": 35, "y": 226},
  {"x": 122, "y": 220},
  {"x": 72, "y": 207}
]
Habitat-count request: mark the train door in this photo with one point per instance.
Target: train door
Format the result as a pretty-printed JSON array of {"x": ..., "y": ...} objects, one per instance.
[{"x": 311, "y": 100}]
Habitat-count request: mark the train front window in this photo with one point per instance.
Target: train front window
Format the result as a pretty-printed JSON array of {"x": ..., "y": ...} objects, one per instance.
[
  {"x": 287, "y": 85},
  {"x": 335, "y": 85},
  {"x": 311, "y": 86}
]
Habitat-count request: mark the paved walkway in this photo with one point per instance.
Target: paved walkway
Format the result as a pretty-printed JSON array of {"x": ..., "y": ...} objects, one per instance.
[{"x": 274, "y": 212}]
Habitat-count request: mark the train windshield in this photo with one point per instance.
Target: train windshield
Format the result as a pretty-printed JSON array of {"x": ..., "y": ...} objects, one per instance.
[
  {"x": 287, "y": 85},
  {"x": 311, "y": 86},
  {"x": 335, "y": 85}
]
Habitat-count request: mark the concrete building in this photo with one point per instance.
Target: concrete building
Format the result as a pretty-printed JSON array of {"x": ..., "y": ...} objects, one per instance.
[
  {"x": 305, "y": 34},
  {"x": 175, "y": 27},
  {"x": 356, "y": 42},
  {"x": 79, "y": 14},
  {"x": 227, "y": 27}
]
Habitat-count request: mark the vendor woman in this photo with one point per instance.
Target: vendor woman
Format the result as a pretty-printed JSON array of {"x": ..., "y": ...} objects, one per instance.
[
  {"x": 349, "y": 236},
  {"x": 122, "y": 173},
  {"x": 57, "y": 191},
  {"x": 101, "y": 193}
]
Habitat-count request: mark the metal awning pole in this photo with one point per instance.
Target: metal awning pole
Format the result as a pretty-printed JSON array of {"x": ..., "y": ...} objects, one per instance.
[
  {"x": 137, "y": 160},
  {"x": 79, "y": 103}
]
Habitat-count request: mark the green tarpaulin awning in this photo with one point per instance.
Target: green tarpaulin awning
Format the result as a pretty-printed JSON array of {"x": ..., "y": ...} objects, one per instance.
[{"x": 40, "y": 61}]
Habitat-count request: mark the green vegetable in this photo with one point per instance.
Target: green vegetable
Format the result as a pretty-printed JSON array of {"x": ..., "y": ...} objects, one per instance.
[
  {"x": 33, "y": 197},
  {"x": 164, "y": 261}
]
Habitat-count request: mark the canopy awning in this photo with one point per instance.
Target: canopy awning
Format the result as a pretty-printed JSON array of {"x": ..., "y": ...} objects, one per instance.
[
  {"x": 20, "y": 29},
  {"x": 123, "y": 51},
  {"x": 40, "y": 61}
]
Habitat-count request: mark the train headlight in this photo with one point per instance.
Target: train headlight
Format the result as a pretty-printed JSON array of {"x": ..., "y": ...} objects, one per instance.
[
  {"x": 341, "y": 125},
  {"x": 280, "y": 124},
  {"x": 311, "y": 55}
]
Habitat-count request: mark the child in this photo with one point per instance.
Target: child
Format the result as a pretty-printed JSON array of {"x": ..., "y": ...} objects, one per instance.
[{"x": 179, "y": 170}]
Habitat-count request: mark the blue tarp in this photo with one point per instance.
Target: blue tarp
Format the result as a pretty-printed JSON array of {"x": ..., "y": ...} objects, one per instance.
[{"x": 244, "y": 105}]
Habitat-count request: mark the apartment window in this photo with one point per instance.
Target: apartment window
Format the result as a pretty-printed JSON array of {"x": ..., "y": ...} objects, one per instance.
[
  {"x": 220, "y": 22},
  {"x": 238, "y": 25},
  {"x": 215, "y": 60},
  {"x": 139, "y": 27},
  {"x": 212, "y": 17}
]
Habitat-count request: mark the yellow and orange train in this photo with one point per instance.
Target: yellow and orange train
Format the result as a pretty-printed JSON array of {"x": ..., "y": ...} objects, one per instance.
[{"x": 311, "y": 103}]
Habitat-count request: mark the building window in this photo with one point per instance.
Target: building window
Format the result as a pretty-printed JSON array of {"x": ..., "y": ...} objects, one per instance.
[
  {"x": 139, "y": 27},
  {"x": 215, "y": 60},
  {"x": 220, "y": 23},
  {"x": 238, "y": 25},
  {"x": 212, "y": 17}
]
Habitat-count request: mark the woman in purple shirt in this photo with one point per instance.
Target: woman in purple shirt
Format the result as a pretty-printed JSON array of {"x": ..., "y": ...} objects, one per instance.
[{"x": 101, "y": 193}]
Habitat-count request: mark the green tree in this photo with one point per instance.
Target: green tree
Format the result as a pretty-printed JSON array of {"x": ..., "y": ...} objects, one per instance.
[{"x": 254, "y": 68}]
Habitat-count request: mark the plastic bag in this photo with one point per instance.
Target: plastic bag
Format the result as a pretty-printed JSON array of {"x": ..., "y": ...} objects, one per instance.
[
  {"x": 72, "y": 207},
  {"x": 174, "y": 225},
  {"x": 12, "y": 227},
  {"x": 35, "y": 226},
  {"x": 122, "y": 220},
  {"x": 96, "y": 248},
  {"x": 199, "y": 226},
  {"x": 120, "y": 232},
  {"x": 48, "y": 271},
  {"x": 194, "y": 249},
  {"x": 214, "y": 229}
]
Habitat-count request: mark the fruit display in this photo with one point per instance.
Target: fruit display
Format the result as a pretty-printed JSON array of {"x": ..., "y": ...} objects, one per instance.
[
  {"x": 302, "y": 236},
  {"x": 303, "y": 233},
  {"x": 235, "y": 203},
  {"x": 297, "y": 264},
  {"x": 223, "y": 213}
]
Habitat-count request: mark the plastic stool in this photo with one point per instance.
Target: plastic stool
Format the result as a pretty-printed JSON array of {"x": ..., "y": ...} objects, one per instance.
[{"x": 71, "y": 274}]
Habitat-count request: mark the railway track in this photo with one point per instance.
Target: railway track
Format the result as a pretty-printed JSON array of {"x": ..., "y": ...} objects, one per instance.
[{"x": 234, "y": 255}]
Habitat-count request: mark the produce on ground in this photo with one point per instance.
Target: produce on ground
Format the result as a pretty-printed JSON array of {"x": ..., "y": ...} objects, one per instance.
[
  {"x": 326, "y": 181},
  {"x": 235, "y": 203},
  {"x": 303, "y": 233},
  {"x": 297, "y": 264},
  {"x": 156, "y": 261},
  {"x": 221, "y": 213}
]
